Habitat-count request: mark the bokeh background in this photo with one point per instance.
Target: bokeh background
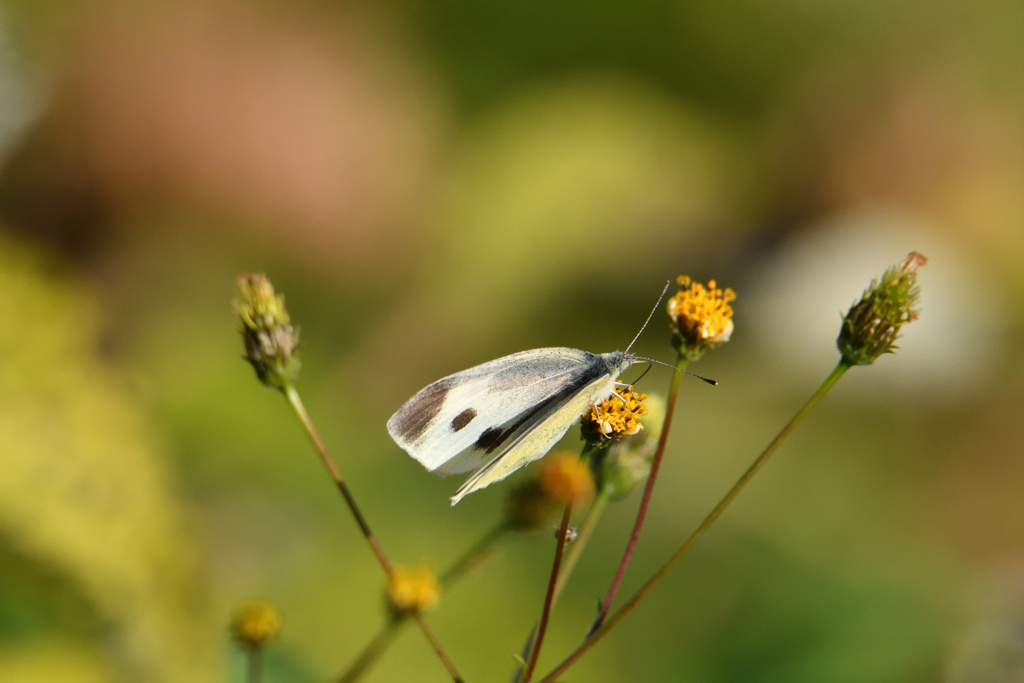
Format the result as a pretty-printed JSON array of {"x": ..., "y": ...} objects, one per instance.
[{"x": 434, "y": 184}]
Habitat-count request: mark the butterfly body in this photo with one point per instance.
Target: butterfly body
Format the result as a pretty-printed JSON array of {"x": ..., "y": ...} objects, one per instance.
[{"x": 499, "y": 416}]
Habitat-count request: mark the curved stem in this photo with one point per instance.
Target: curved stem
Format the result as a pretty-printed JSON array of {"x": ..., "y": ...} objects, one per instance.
[
  {"x": 641, "y": 515},
  {"x": 300, "y": 411},
  {"x": 829, "y": 382}
]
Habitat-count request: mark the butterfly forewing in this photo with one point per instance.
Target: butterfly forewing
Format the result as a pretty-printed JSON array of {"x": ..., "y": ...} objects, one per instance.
[{"x": 460, "y": 422}]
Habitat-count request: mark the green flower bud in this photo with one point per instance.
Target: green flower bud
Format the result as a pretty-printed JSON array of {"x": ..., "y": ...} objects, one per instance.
[
  {"x": 627, "y": 462},
  {"x": 873, "y": 324},
  {"x": 271, "y": 343}
]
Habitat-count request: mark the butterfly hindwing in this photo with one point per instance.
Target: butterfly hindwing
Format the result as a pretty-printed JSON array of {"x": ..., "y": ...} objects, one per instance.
[{"x": 539, "y": 436}]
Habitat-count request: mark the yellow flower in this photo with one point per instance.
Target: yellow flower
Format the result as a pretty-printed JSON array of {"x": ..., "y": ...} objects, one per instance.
[
  {"x": 564, "y": 478},
  {"x": 615, "y": 417},
  {"x": 413, "y": 589},
  {"x": 256, "y": 624},
  {"x": 271, "y": 342},
  {"x": 628, "y": 461},
  {"x": 701, "y": 317}
]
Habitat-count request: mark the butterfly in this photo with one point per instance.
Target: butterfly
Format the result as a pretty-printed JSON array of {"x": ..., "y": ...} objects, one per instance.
[{"x": 494, "y": 418}]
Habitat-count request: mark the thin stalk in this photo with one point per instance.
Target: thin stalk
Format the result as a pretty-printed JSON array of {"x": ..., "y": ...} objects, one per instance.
[
  {"x": 374, "y": 650},
  {"x": 386, "y": 636},
  {"x": 641, "y": 515},
  {"x": 568, "y": 564},
  {"x": 254, "y": 657},
  {"x": 592, "y": 640},
  {"x": 576, "y": 549},
  {"x": 542, "y": 625},
  {"x": 314, "y": 436},
  {"x": 476, "y": 554}
]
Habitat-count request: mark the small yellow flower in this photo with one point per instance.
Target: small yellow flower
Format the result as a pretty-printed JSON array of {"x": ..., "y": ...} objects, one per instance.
[
  {"x": 413, "y": 589},
  {"x": 628, "y": 461},
  {"x": 564, "y": 478},
  {"x": 701, "y": 317},
  {"x": 615, "y": 417},
  {"x": 271, "y": 342},
  {"x": 256, "y": 624}
]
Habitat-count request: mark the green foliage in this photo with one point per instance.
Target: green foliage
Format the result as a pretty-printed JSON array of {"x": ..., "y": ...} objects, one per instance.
[{"x": 84, "y": 494}]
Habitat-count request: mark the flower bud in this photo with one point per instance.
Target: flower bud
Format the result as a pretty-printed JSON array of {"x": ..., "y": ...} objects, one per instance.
[
  {"x": 256, "y": 624},
  {"x": 628, "y": 461},
  {"x": 413, "y": 589},
  {"x": 701, "y": 317},
  {"x": 527, "y": 508},
  {"x": 873, "y": 324},
  {"x": 270, "y": 341},
  {"x": 564, "y": 478}
]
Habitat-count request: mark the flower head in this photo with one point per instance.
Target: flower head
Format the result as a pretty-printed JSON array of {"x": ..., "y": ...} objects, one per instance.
[
  {"x": 564, "y": 478},
  {"x": 873, "y": 324},
  {"x": 528, "y": 508},
  {"x": 701, "y": 317},
  {"x": 256, "y": 624},
  {"x": 628, "y": 461},
  {"x": 618, "y": 416},
  {"x": 413, "y": 589},
  {"x": 271, "y": 342}
]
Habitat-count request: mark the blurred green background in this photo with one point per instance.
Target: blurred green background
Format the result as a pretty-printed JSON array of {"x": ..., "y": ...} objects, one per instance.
[{"x": 434, "y": 184}]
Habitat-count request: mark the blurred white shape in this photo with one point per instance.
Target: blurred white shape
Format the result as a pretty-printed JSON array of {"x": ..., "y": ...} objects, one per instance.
[
  {"x": 798, "y": 296},
  {"x": 22, "y": 93}
]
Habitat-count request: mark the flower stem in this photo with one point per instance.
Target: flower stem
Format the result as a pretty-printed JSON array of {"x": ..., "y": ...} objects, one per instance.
[
  {"x": 383, "y": 640},
  {"x": 373, "y": 651},
  {"x": 477, "y": 553},
  {"x": 641, "y": 515},
  {"x": 300, "y": 411},
  {"x": 255, "y": 665},
  {"x": 542, "y": 625},
  {"x": 829, "y": 382},
  {"x": 568, "y": 564}
]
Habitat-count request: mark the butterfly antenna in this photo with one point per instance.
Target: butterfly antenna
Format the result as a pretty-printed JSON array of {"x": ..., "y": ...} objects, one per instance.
[
  {"x": 669, "y": 365},
  {"x": 653, "y": 311}
]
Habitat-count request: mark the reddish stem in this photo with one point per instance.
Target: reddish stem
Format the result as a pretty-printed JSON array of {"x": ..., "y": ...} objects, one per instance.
[
  {"x": 641, "y": 514},
  {"x": 542, "y": 626}
]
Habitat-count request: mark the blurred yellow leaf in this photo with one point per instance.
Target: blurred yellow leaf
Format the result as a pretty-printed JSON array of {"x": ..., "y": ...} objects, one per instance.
[{"x": 83, "y": 492}]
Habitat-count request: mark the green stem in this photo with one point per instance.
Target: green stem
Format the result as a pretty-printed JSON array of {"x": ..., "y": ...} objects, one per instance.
[
  {"x": 374, "y": 650},
  {"x": 307, "y": 424},
  {"x": 645, "y": 501},
  {"x": 477, "y": 553},
  {"x": 576, "y": 549},
  {"x": 829, "y": 382},
  {"x": 255, "y": 665}
]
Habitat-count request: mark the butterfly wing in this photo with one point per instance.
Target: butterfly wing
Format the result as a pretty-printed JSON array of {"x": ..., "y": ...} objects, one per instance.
[
  {"x": 462, "y": 421},
  {"x": 538, "y": 437}
]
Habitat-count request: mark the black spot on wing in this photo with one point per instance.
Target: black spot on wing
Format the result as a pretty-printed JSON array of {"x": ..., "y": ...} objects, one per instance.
[
  {"x": 416, "y": 415},
  {"x": 493, "y": 437},
  {"x": 463, "y": 419}
]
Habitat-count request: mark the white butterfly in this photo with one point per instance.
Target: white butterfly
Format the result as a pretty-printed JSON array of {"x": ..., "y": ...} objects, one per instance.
[
  {"x": 504, "y": 414},
  {"x": 496, "y": 417}
]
